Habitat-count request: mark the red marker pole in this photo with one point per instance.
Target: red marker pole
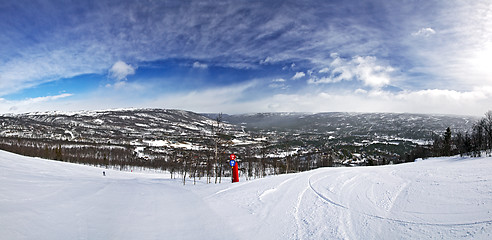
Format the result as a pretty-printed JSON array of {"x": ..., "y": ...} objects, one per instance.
[
  {"x": 235, "y": 168},
  {"x": 235, "y": 173}
]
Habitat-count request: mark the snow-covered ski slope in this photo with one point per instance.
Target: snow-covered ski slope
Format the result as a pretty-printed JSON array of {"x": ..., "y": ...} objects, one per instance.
[{"x": 442, "y": 198}]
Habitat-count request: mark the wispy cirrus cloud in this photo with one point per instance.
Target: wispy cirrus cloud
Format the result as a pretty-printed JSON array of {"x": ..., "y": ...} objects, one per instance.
[
  {"x": 239, "y": 35},
  {"x": 278, "y": 83},
  {"x": 29, "y": 104}
]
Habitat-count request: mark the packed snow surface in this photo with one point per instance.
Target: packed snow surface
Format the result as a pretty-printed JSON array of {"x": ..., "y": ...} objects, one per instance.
[{"x": 441, "y": 198}]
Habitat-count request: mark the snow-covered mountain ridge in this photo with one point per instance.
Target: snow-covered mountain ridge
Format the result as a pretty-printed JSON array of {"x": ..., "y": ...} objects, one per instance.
[
  {"x": 280, "y": 142},
  {"x": 118, "y": 126},
  {"x": 440, "y": 198}
]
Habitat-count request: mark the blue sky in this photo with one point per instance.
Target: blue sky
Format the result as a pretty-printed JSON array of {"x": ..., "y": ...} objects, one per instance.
[{"x": 247, "y": 56}]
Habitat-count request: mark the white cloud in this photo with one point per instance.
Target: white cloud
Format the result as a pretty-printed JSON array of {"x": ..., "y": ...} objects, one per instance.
[
  {"x": 278, "y": 83},
  {"x": 441, "y": 101},
  {"x": 47, "y": 98},
  {"x": 210, "y": 100},
  {"x": 200, "y": 65},
  {"x": 366, "y": 69},
  {"x": 278, "y": 80},
  {"x": 267, "y": 60},
  {"x": 31, "y": 104},
  {"x": 298, "y": 75},
  {"x": 459, "y": 54},
  {"x": 431, "y": 101},
  {"x": 118, "y": 84},
  {"x": 120, "y": 70},
  {"x": 318, "y": 80},
  {"x": 426, "y": 32},
  {"x": 38, "y": 66},
  {"x": 360, "y": 91},
  {"x": 371, "y": 73}
]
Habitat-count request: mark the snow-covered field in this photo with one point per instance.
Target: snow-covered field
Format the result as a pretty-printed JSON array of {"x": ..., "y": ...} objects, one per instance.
[{"x": 444, "y": 198}]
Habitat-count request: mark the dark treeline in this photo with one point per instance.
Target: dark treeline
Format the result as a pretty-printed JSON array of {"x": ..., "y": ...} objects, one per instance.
[
  {"x": 75, "y": 152},
  {"x": 471, "y": 143},
  {"x": 212, "y": 163},
  {"x": 188, "y": 164}
]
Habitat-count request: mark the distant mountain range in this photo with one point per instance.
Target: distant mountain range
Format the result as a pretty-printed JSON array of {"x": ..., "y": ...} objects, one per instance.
[
  {"x": 407, "y": 125},
  {"x": 159, "y": 133},
  {"x": 118, "y": 126}
]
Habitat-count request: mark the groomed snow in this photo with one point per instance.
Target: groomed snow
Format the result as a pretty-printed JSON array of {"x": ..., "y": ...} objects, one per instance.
[{"x": 443, "y": 198}]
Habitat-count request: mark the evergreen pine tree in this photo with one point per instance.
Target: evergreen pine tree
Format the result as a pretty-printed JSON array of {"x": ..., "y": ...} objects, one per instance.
[{"x": 447, "y": 142}]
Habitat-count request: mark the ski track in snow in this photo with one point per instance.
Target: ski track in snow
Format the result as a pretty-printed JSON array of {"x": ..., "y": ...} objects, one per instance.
[
  {"x": 329, "y": 201},
  {"x": 299, "y": 225},
  {"x": 347, "y": 220},
  {"x": 229, "y": 188},
  {"x": 271, "y": 190}
]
